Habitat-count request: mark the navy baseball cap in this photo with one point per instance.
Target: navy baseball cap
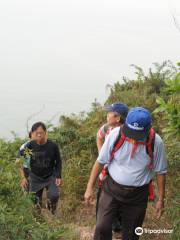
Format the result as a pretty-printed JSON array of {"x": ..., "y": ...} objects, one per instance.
[
  {"x": 119, "y": 108},
  {"x": 137, "y": 124}
]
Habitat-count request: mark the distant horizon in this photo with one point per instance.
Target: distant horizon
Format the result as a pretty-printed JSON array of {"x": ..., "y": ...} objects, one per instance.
[
  {"x": 64, "y": 53},
  {"x": 44, "y": 112}
]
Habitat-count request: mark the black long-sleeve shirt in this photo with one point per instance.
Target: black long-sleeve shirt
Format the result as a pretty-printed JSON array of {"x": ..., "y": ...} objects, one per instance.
[{"x": 45, "y": 160}]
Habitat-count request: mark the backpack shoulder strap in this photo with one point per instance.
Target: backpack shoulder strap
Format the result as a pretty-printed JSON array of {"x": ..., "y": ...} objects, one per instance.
[
  {"x": 118, "y": 143},
  {"x": 150, "y": 146}
]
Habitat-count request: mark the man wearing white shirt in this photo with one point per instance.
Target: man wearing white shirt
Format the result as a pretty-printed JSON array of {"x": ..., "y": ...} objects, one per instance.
[{"x": 126, "y": 186}]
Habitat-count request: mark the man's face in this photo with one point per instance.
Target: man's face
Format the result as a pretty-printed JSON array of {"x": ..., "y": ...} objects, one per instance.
[
  {"x": 40, "y": 135},
  {"x": 113, "y": 118}
]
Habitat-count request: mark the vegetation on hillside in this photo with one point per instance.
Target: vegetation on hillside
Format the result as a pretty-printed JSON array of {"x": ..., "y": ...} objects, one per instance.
[{"x": 158, "y": 90}]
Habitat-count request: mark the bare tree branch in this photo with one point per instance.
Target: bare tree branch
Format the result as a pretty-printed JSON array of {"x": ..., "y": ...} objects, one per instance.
[
  {"x": 175, "y": 22},
  {"x": 54, "y": 116},
  {"x": 33, "y": 115},
  {"x": 173, "y": 14}
]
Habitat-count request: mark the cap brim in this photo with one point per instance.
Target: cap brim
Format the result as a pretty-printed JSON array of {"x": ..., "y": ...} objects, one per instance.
[
  {"x": 111, "y": 109},
  {"x": 108, "y": 108},
  {"x": 134, "y": 134}
]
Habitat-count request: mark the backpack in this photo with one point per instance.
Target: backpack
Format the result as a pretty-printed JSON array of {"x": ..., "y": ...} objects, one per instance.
[{"x": 149, "y": 149}]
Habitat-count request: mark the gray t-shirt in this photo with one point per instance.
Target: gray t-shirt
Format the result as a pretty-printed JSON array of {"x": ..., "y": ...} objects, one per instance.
[{"x": 132, "y": 171}]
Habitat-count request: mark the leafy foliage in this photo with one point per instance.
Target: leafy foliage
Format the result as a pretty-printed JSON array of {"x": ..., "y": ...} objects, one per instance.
[
  {"x": 19, "y": 219},
  {"x": 171, "y": 106}
]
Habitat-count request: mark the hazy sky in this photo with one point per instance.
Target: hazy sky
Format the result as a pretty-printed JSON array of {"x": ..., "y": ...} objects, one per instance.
[{"x": 62, "y": 53}]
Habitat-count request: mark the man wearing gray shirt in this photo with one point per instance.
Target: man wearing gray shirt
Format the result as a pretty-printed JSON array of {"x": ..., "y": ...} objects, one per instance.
[{"x": 126, "y": 186}]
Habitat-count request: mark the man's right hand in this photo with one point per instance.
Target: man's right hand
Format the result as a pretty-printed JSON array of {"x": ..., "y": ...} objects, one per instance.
[
  {"x": 88, "y": 196},
  {"x": 24, "y": 183}
]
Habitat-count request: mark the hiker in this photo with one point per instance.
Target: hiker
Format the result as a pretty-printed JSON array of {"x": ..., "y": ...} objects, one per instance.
[
  {"x": 127, "y": 152},
  {"x": 116, "y": 116},
  {"x": 45, "y": 167}
]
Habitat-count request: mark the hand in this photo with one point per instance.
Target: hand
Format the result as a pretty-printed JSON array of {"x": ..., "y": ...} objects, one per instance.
[
  {"x": 24, "y": 183},
  {"x": 159, "y": 208},
  {"x": 88, "y": 196},
  {"x": 58, "y": 182},
  {"x": 18, "y": 161}
]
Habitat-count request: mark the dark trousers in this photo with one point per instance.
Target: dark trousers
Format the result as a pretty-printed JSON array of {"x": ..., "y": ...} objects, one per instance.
[
  {"x": 52, "y": 194},
  {"x": 116, "y": 225},
  {"x": 130, "y": 200}
]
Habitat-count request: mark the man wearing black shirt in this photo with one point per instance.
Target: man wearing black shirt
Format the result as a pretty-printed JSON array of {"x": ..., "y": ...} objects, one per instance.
[{"x": 45, "y": 167}]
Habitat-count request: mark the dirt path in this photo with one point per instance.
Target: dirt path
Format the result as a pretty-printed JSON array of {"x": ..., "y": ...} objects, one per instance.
[{"x": 84, "y": 222}]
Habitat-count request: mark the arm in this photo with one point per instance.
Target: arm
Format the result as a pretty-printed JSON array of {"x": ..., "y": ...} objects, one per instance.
[
  {"x": 102, "y": 159},
  {"x": 24, "y": 181},
  {"x": 58, "y": 167},
  {"x": 92, "y": 180},
  {"x": 161, "y": 180},
  {"x": 160, "y": 164}
]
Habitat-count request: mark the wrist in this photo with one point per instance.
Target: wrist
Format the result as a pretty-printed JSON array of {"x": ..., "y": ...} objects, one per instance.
[
  {"x": 89, "y": 186},
  {"x": 161, "y": 200}
]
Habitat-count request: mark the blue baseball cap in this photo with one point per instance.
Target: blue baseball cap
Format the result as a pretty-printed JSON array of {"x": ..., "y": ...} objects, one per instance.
[
  {"x": 119, "y": 108},
  {"x": 137, "y": 124}
]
